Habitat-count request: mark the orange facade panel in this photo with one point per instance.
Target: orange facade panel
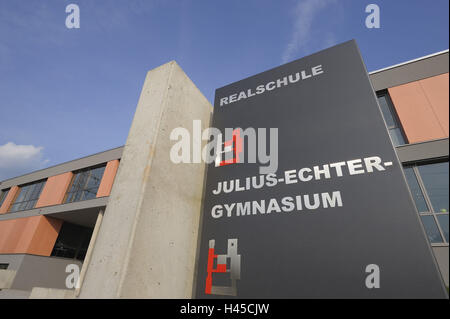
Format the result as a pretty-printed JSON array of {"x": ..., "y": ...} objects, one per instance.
[
  {"x": 108, "y": 178},
  {"x": 9, "y": 199},
  {"x": 54, "y": 190},
  {"x": 422, "y": 107},
  {"x": 436, "y": 90},
  {"x": 45, "y": 236},
  {"x": 31, "y": 235}
]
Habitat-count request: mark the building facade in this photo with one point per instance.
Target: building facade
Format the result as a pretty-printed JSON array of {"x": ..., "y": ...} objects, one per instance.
[{"x": 50, "y": 219}]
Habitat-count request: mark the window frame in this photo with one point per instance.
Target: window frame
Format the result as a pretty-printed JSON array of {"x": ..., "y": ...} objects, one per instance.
[
  {"x": 3, "y": 194},
  {"x": 395, "y": 117},
  {"x": 430, "y": 212},
  {"x": 16, "y": 196},
  {"x": 84, "y": 237},
  {"x": 68, "y": 192}
]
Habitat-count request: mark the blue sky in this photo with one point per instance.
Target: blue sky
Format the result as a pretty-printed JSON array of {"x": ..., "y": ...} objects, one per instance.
[{"x": 68, "y": 93}]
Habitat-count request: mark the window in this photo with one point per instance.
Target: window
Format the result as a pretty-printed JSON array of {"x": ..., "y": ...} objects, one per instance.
[
  {"x": 435, "y": 180},
  {"x": 429, "y": 187},
  {"x": 4, "y": 266},
  {"x": 72, "y": 242},
  {"x": 3, "y": 195},
  {"x": 27, "y": 196},
  {"x": 391, "y": 120},
  {"x": 85, "y": 184}
]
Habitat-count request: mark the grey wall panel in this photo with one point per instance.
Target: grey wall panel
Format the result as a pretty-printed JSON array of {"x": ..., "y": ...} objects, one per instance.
[
  {"x": 59, "y": 211},
  {"x": 14, "y": 260},
  {"x": 40, "y": 271},
  {"x": 410, "y": 72},
  {"x": 14, "y": 294},
  {"x": 423, "y": 151}
]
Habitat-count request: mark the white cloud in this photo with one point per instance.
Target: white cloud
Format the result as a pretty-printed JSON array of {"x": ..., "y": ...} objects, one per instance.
[
  {"x": 16, "y": 160},
  {"x": 305, "y": 13}
]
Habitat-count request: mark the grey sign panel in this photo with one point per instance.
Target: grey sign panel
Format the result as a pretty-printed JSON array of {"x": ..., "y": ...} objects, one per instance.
[{"x": 336, "y": 219}]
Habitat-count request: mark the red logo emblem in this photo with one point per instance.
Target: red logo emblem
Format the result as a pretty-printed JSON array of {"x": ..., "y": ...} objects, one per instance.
[
  {"x": 229, "y": 263},
  {"x": 233, "y": 147}
]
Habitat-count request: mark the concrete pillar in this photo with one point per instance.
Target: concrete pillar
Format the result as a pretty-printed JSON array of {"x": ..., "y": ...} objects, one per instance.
[
  {"x": 146, "y": 245},
  {"x": 88, "y": 255}
]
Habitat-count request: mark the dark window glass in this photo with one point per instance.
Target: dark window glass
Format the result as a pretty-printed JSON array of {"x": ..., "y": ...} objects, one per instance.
[
  {"x": 429, "y": 187},
  {"x": 443, "y": 222},
  {"x": 390, "y": 118},
  {"x": 27, "y": 197},
  {"x": 386, "y": 110},
  {"x": 397, "y": 136},
  {"x": 415, "y": 190},
  {"x": 85, "y": 184},
  {"x": 435, "y": 179},
  {"x": 4, "y": 266},
  {"x": 3, "y": 195},
  {"x": 431, "y": 229},
  {"x": 72, "y": 242}
]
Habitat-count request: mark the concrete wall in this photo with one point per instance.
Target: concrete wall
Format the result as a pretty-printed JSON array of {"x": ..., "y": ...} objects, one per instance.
[
  {"x": 146, "y": 246},
  {"x": 51, "y": 293},
  {"x": 6, "y": 278},
  {"x": 14, "y": 294},
  {"x": 14, "y": 260}
]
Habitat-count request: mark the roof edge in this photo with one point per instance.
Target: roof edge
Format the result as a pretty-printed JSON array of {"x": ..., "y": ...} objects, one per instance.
[{"x": 410, "y": 61}]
